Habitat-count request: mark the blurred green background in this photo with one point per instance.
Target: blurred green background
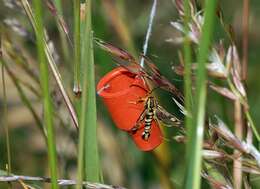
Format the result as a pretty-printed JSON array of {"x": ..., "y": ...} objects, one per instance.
[{"x": 124, "y": 24}]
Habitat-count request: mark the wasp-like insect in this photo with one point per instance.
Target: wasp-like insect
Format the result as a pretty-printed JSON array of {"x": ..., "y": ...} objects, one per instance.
[
  {"x": 149, "y": 71},
  {"x": 153, "y": 112}
]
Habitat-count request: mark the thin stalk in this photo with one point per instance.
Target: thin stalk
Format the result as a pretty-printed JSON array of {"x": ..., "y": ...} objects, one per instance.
[
  {"x": 77, "y": 84},
  {"x": 252, "y": 125},
  {"x": 196, "y": 139},
  {"x": 58, "y": 6},
  {"x": 237, "y": 171},
  {"x": 62, "y": 182},
  {"x": 187, "y": 69},
  {"x": 237, "y": 164},
  {"x": 88, "y": 157},
  {"x": 47, "y": 105},
  {"x": 244, "y": 103},
  {"x": 5, "y": 122},
  {"x": 77, "y": 48}
]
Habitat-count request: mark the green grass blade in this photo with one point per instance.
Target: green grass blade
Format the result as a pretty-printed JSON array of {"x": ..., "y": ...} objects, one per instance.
[
  {"x": 77, "y": 47},
  {"x": 196, "y": 138},
  {"x": 47, "y": 105},
  {"x": 77, "y": 85},
  {"x": 4, "y": 120},
  {"x": 187, "y": 69},
  {"x": 92, "y": 168},
  {"x": 88, "y": 149}
]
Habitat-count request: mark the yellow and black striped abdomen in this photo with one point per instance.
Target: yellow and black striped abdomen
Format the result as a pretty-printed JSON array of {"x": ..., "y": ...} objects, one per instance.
[{"x": 149, "y": 117}]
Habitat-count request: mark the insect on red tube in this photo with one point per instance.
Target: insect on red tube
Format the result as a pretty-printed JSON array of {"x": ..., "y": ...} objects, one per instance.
[{"x": 120, "y": 89}]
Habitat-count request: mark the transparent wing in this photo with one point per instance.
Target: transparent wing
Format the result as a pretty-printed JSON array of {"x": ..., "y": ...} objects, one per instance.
[
  {"x": 165, "y": 117},
  {"x": 160, "y": 80}
]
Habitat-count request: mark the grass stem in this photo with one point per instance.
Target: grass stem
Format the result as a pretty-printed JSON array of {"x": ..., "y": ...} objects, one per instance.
[
  {"x": 47, "y": 105},
  {"x": 88, "y": 158},
  {"x": 4, "y": 120},
  {"x": 77, "y": 85},
  {"x": 197, "y": 132},
  {"x": 187, "y": 69}
]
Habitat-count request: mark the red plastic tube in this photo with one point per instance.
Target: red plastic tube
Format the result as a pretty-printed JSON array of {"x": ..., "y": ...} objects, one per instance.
[{"x": 120, "y": 91}]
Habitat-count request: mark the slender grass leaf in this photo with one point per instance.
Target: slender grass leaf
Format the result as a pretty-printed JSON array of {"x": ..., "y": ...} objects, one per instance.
[
  {"x": 193, "y": 178},
  {"x": 47, "y": 105}
]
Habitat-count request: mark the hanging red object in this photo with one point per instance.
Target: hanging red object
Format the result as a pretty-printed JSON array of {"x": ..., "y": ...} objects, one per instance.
[{"x": 121, "y": 90}]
